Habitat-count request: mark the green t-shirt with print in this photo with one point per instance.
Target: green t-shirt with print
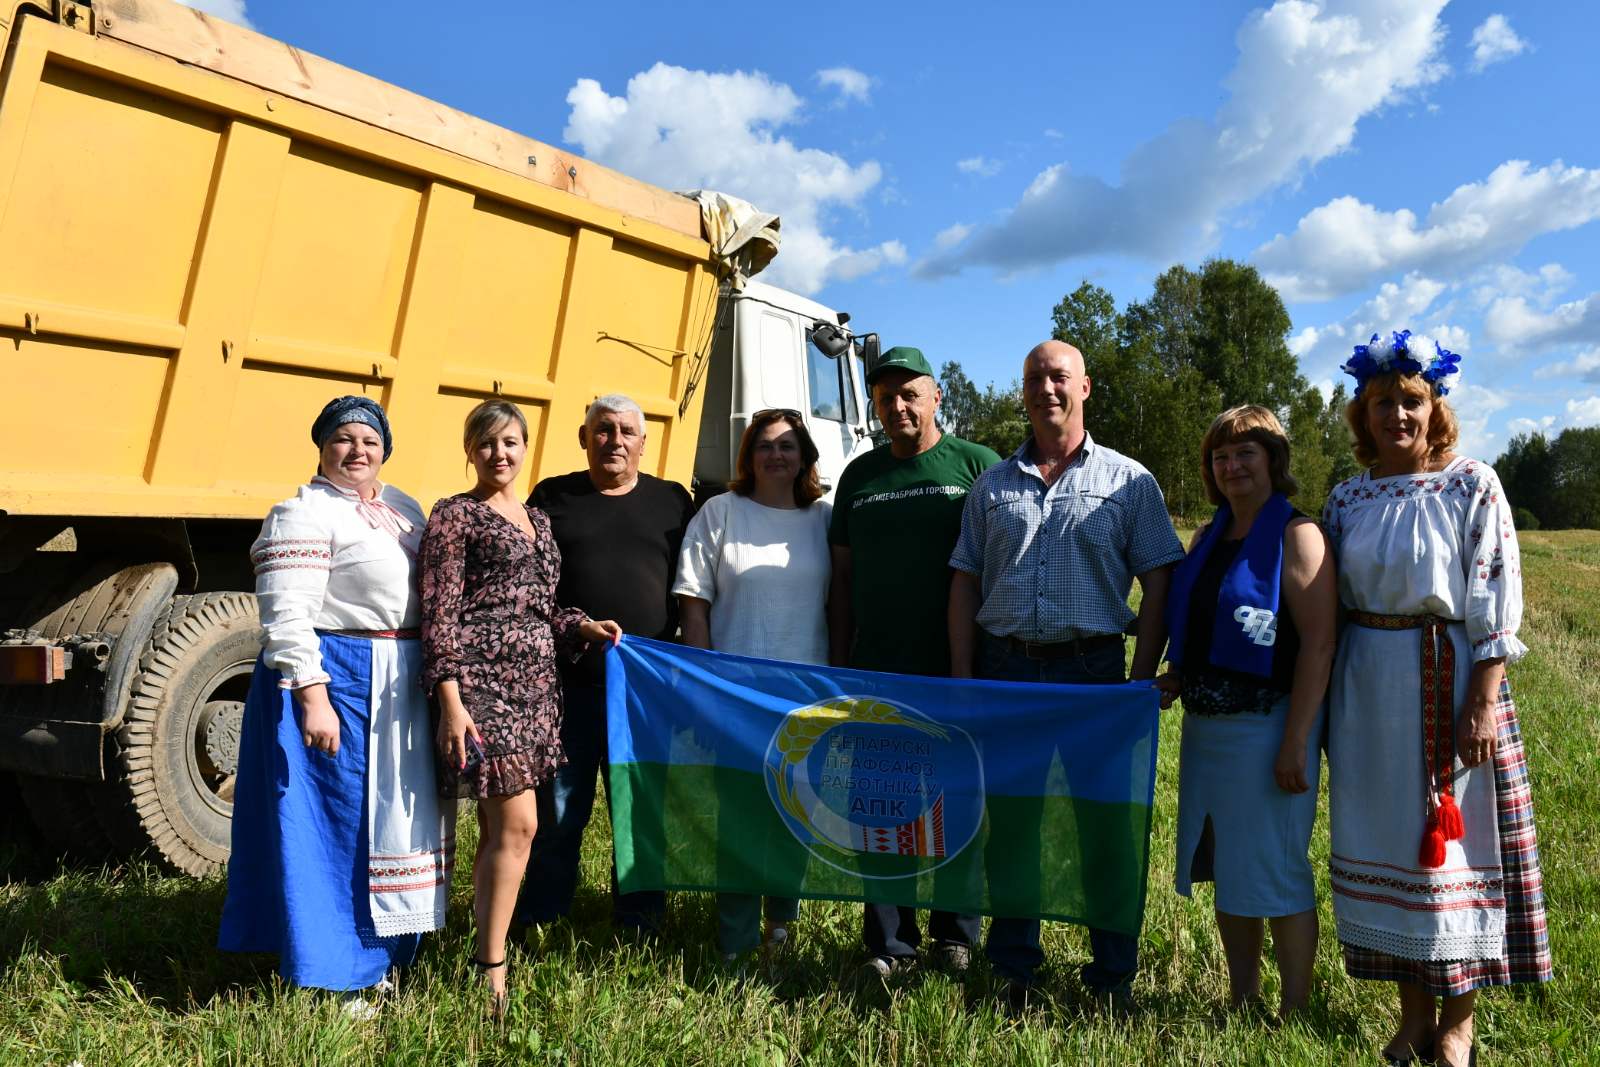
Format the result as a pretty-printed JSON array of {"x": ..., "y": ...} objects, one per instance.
[{"x": 900, "y": 519}]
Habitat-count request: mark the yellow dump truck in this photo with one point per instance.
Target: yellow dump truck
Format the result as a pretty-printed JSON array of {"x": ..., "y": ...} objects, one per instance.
[{"x": 204, "y": 235}]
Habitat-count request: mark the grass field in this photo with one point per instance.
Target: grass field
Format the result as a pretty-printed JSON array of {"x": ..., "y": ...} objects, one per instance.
[{"x": 116, "y": 966}]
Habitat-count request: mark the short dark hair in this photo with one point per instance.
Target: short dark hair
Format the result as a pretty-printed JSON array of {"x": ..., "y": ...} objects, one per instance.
[
  {"x": 807, "y": 484},
  {"x": 1248, "y": 422}
]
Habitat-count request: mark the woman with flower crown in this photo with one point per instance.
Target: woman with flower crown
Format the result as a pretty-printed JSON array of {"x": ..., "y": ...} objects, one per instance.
[{"x": 1434, "y": 865}]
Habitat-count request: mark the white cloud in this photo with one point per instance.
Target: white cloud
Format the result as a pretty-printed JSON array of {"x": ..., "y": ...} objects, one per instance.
[
  {"x": 1474, "y": 406},
  {"x": 687, "y": 129},
  {"x": 1494, "y": 40},
  {"x": 1503, "y": 279},
  {"x": 1543, "y": 424},
  {"x": 855, "y": 264},
  {"x": 1395, "y": 306},
  {"x": 1306, "y": 74},
  {"x": 231, "y": 10},
  {"x": 1584, "y": 366},
  {"x": 1513, "y": 321},
  {"x": 1053, "y": 134},
  {"x": 1585, "y": 412},
  {"x": 1343, "y": 244},
  {"x": 851, "y": 83},
  {"x": 984, "y": 168},
  {"x": 951, "y": 235}
]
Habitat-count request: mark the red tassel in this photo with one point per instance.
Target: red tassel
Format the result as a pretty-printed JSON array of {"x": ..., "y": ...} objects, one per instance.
[
  {"x": 1450, "y": 819},
  {"x": 1431, "y": 854}
]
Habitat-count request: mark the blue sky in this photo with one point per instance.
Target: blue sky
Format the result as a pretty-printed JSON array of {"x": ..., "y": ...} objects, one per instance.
[{"x": 947, "y": 172}]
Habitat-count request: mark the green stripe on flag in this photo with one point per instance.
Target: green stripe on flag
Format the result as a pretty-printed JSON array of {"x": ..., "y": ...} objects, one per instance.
[{"x": 712, "y": 828}]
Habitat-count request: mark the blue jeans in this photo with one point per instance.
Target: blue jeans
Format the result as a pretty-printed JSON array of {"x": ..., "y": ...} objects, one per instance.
[
  {"x": 1013, "y": 947},
  {"x": 566, "y": 802}
]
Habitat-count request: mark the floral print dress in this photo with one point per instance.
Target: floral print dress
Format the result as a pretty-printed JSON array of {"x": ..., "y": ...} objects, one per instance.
[{"x": 490, "y": 621}]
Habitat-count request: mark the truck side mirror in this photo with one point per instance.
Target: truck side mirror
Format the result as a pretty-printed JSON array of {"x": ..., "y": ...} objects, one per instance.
[
  {"x": 829, "y": 339},
  {"x": 869, "y": 348}
]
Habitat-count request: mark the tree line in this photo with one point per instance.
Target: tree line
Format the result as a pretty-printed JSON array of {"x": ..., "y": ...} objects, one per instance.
[
  {"x": 1553, "y": 483},
  {"x": 1163, "y": 368}
]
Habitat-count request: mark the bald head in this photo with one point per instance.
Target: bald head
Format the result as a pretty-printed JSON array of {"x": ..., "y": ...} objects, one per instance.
[
  {"x": 1051, "y": 351},
  {"x": 1054, "y": 386}
]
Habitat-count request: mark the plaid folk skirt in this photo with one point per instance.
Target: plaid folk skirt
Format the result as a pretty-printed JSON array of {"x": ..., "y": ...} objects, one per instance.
[{"x": 1526, "y": 957}]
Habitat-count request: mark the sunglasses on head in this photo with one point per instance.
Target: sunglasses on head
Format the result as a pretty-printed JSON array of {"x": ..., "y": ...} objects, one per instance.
[{"x": 772, "y": 413}]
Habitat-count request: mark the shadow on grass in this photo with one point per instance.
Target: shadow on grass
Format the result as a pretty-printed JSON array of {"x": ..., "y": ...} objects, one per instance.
[
  {"x": 821, "y": 971},
  {"x": 131, "y": 922}
]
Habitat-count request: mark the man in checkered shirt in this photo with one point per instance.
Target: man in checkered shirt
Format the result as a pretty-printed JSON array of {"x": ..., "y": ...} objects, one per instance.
[{"x": 1051, "y": 542}]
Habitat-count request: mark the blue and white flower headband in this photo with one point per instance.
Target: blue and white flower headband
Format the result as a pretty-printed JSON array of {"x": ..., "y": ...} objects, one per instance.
[{"x": 1402, "y": 354}]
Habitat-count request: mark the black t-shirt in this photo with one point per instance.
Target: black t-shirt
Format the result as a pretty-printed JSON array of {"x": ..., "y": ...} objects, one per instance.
[{"x": 619, "y": 555}]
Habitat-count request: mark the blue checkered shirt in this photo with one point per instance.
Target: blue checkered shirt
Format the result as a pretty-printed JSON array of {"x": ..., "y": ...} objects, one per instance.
[{"x": 1057, "y": 562}]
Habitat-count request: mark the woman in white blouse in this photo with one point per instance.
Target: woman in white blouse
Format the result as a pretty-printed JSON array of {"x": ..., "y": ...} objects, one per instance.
[
  {"x": 1434, "y": 864},
  {"x": 753, "y": 581},
  {"x": 341, "y": 847}
]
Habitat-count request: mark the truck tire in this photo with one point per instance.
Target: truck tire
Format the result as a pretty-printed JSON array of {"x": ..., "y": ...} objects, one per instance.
[
  {"x": 177, "y": 750},
  {"x": 105, "y": 596}
]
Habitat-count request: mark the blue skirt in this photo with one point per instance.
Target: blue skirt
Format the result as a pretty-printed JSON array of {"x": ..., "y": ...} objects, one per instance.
[
  {"x": 297, "y": 878},
  {"x": 1255, "y": 851}
]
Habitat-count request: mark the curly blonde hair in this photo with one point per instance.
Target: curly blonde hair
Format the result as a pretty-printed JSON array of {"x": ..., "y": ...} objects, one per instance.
[{"x": 1444, "y": 429}]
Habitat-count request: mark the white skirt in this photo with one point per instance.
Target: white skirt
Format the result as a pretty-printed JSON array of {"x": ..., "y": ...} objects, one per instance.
[{"x": 1383, "y": 899}]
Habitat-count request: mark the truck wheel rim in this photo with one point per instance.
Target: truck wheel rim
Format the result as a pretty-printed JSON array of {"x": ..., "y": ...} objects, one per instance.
[{"x": 212, "y": 754}]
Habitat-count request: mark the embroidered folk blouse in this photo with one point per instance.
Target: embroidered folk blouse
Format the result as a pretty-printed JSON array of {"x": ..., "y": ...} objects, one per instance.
[
  {"x": 1440, "y": 544},
  {"x": 328, "y": 560}
]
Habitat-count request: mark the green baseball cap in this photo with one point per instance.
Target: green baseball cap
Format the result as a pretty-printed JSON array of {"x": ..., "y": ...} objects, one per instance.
[{"x": 900, "y": 357}]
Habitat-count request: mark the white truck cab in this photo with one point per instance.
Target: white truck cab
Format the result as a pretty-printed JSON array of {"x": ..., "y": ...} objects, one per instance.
[{"x": 777, "y": 349}]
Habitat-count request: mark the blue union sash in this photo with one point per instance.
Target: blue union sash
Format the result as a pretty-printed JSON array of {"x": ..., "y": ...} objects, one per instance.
[{"x": 1244, "y": 630}]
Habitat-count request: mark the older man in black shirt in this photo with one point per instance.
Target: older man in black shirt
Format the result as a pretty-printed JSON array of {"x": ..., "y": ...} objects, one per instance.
[{"x": 619, "y": 532}]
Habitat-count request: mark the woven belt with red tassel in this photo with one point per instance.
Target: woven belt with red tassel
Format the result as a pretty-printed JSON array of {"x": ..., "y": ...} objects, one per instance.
[{"x": 1438, "y": 726}]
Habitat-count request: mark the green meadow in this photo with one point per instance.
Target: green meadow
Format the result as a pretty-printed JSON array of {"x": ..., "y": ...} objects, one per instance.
[{"x": 116, "y": 966}]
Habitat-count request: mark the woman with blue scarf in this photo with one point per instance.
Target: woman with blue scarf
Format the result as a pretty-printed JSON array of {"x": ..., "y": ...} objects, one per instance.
[{"x": 1252, "y": 616}]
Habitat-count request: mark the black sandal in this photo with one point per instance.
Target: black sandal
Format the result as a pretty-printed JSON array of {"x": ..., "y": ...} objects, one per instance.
[
  {"x": 497, "y": 1001},
  {"x": 1412, "y": 1055}
]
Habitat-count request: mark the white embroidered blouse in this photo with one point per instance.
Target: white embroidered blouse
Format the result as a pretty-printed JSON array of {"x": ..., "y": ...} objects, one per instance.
[
  {"x": 328, "y": 560},
  {"x": 1440, "y": 544}
]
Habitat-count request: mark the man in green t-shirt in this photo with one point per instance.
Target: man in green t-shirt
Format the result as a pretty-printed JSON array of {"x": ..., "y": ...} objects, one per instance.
[{"x": 896, "y": 518}]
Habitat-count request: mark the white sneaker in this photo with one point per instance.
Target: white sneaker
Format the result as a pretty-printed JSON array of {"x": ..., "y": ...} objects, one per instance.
[{"x": 358, "y": 1008}]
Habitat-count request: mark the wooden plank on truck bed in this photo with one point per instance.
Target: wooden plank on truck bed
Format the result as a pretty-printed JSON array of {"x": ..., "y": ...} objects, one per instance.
[{"x": 190, "y": 36}]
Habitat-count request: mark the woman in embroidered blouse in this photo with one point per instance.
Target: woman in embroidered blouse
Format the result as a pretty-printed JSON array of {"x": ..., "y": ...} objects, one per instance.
[
  {"x": 491, "y": 630},
  {"x": 753, "y": 580},
  {"x": 341, "y": 849},
  {"x": 1434, "y": 865},
  {"x": 1252, "y": 616}
]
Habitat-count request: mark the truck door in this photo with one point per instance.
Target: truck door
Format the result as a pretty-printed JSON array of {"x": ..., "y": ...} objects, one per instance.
[{"x": 834, "y": 416}]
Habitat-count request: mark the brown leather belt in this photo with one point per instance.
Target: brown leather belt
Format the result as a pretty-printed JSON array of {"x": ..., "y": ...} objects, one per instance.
[{"x": 1078, "y": 646}]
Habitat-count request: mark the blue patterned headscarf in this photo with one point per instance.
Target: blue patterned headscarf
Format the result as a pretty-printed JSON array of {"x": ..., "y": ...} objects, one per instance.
[{"x": 347, "y": 409}]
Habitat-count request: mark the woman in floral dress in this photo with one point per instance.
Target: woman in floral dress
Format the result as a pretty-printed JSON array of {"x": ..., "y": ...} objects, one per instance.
[
  {"x": 1434, "y": 865},
  {"x": 491, "y": 630}
]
